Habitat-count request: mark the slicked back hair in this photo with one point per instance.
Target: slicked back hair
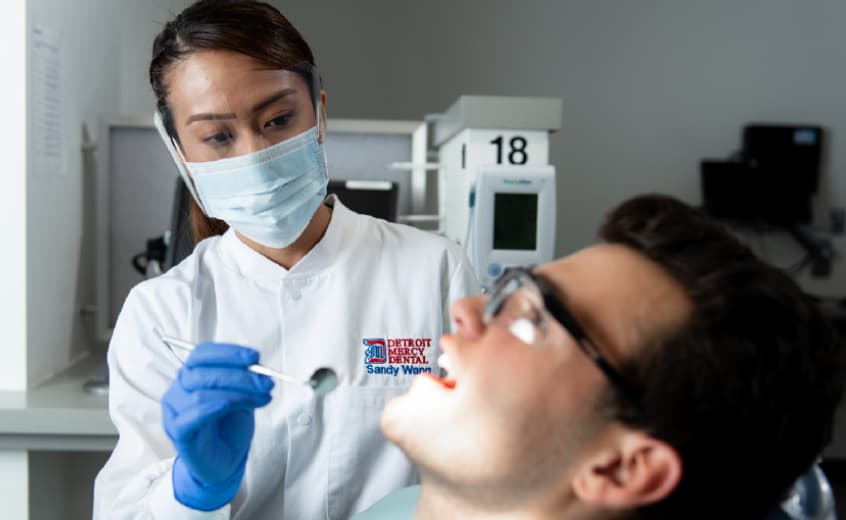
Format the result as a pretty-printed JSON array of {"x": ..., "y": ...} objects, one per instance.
[{"x": 746, "y": 390}]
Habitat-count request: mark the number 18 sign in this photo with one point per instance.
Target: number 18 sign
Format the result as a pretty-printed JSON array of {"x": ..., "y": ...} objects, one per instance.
[{"x": 504, "y": 147}]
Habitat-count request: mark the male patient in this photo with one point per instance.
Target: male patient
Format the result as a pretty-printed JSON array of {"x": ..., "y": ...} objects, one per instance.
[{"x": 665, "y": 373}]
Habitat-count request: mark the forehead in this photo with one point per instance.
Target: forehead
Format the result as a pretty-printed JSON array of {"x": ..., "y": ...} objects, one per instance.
[
  {"x": 215, "y": 81},
  {"x": 619, "y": 295}
]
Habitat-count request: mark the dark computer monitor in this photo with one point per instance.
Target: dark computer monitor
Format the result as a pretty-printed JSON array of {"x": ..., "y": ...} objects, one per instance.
[
  {"x": 742, "y": 191},
  {"x": 374, "y": 198},
  {"x": 789, "y": 153},
  {"x": 772, "y": 178}
]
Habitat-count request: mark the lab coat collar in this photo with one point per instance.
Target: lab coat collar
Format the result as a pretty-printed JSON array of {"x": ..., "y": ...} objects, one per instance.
[{"x": 251, "y": 264}]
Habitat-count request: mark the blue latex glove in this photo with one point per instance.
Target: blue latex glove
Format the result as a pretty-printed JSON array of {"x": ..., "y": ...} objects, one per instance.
[{"x": 208, "y": 413}]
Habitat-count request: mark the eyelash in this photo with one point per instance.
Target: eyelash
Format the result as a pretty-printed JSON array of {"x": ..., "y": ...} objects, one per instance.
[
  {"x": 222, "y": 138},
  {"x": 215, "y": 140},
  {"x": 284, "y": 117}
]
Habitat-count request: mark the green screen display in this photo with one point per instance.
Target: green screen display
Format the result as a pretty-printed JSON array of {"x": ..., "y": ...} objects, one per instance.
[{"x": 515, "y": 221}]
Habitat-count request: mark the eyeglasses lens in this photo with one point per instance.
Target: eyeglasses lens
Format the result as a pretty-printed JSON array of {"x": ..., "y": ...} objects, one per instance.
[{"x": 516, "y": 305}]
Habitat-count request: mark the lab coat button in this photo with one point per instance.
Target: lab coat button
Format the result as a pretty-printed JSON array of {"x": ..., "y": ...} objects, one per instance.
[{"x": 304, "y": 419}]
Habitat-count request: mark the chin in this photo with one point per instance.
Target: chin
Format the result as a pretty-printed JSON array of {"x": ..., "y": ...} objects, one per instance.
[
  {"x": 440, "y": 434},
  {"x": 391, "y": 420},
  {"x": 419, "y": 421}
]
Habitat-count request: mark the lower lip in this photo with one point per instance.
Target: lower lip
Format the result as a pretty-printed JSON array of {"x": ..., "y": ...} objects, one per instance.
[{"x": 446, "y": 383}]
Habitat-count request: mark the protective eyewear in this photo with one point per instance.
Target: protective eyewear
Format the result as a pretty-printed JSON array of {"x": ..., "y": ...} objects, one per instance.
[{"x": 518, "y": 300}]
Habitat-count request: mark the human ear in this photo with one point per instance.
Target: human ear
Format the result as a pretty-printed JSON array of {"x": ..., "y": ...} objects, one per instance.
[
  {"x": 635, "y": 470},
  {"x": 321, "y": 132}
]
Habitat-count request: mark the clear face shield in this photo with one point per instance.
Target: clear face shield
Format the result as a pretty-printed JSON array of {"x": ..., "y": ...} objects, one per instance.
[
  {"x": 247, "y": 115},
  {"x": 249, "y": 147}
]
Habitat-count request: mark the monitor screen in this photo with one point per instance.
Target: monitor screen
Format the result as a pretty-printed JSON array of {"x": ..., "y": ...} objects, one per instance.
[
  {"x": 742, "y": 191},
  {"x": 790, "y": 156},
  {"x": 375, "y": 198},
  {"x": 515, "y": 221}
]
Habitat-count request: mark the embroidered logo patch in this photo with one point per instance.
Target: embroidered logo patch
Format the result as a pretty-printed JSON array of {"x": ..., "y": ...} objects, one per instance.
[
  {"x": 375, "y": 351},
  {"x": 392, "y": 356}
]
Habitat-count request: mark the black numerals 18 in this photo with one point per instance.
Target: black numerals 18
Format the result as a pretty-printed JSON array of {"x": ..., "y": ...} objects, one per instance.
[{"x": 517, "y": 150}]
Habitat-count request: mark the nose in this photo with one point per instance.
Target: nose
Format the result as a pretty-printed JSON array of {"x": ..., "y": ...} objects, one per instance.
[
  {"x": 252, "y": 142},
  {"x": 467, "y": 316}
]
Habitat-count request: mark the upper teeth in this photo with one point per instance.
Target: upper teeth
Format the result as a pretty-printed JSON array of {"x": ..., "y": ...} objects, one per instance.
[{"x": 443, "y": 362}]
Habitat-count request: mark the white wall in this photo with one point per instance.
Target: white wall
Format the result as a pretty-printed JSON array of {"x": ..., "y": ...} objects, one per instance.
[
  {"x": 13, "y": 207},
  {"x": 649, "y": 87},
  {"x": 59, "y": 204},
  {"x": 141, "y": 21},
  {"x": 105, "y": 47},
  {"x": 14, "y": 477}
]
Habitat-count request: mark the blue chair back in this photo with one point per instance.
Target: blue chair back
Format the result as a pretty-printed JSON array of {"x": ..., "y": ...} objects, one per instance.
[{"x": 810, "y": 498}]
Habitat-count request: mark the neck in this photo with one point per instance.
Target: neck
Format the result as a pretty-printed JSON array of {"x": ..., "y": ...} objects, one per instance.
[
  {"x": 447, "y": 501},
  {"x": 288, "y": 257},
  {"x": 438, "y": 501}
]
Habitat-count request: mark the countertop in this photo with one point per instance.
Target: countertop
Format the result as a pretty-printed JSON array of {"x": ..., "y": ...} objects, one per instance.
[{"x": 58, "y": 415}]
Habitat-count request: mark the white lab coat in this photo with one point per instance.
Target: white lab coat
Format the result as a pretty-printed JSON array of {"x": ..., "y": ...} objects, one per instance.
[{"x": 311, "y": 458}]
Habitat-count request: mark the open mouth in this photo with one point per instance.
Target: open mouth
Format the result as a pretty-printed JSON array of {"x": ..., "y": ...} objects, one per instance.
[
  {"x": 449, "y": 378},
  {"x": 445, "y": 382}
]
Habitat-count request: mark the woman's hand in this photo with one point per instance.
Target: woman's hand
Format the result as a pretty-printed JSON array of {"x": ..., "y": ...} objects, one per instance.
[{"x": 208, "y": 413}]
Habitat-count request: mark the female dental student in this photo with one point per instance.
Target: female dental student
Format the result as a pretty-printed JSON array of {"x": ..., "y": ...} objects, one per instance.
[{"x": 282, "y": 276}]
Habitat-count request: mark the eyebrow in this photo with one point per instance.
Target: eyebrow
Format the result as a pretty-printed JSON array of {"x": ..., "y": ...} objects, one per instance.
[{"x": 261, "y": 105}]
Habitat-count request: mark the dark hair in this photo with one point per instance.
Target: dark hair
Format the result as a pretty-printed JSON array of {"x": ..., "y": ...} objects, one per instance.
[
  {"x": 255, "y": 29},
  {"x": 746, "y": 390}
]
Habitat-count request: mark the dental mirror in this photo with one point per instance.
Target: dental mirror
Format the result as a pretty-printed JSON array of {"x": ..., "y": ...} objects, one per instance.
[{"x": 323, "y": 381}]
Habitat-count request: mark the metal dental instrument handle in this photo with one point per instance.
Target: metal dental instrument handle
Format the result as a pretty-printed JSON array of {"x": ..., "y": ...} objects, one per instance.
[{"x": 323, "y": 381}]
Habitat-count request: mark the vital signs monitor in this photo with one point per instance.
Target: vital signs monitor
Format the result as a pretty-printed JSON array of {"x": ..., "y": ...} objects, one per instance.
[{"x": 512, "y": 218}]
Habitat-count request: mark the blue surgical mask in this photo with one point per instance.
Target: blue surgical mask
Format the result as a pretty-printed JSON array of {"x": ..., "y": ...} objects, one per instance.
[{"x": 268, "y": 196}]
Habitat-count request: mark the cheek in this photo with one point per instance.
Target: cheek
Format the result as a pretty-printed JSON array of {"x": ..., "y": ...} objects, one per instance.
[
  {"x": 517, "y": 426},
  {"x": 514, "y": 385},
  {"x": 538, "y": 386},
  {"x": 191, "y": 150}
]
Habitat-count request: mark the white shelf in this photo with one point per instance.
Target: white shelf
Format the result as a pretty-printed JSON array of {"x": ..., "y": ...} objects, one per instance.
[{"x": 58, "y": 415}]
